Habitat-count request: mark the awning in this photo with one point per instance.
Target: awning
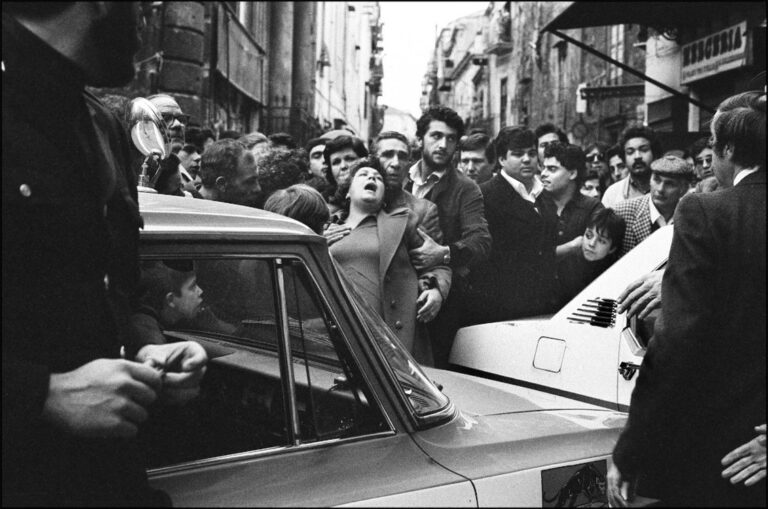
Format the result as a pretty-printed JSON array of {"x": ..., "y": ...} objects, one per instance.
[{"x": 654, "y": 14}]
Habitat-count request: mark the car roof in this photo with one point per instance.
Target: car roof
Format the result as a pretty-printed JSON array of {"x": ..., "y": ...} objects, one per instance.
[{"x": 176, "y": 214}]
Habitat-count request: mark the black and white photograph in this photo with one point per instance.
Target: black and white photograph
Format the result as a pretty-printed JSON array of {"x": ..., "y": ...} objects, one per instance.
[{"x": 384, "y": 254}]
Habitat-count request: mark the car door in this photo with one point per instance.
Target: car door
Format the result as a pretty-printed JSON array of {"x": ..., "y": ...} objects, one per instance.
[{"x": 287, "y": 414}]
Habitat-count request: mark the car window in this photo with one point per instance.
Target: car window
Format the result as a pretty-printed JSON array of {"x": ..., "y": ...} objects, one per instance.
[
  {"x": 256, "y": 394},
  {"x": 422, "y": 396}
]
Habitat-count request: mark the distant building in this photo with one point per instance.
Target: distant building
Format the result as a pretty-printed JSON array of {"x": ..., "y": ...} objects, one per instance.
[
  {"x": 400, "y": 121},
  {"x": 267, "y": 66}
]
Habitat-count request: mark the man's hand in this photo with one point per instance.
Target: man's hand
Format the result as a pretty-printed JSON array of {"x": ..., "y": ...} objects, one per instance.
[
  {"x": 569, "y": 247},
  {"x": 429, "y": 303},
  {"x": 619, "y": 489},
  {"x": 747, "y": 462},
  {"x": 642, "y": 296},
  {"x": 429, "y": 254},
  {"x": 336, "y": 232},
  {"x": 104, "y": 398},
  {"x": 182, "y": 366}
]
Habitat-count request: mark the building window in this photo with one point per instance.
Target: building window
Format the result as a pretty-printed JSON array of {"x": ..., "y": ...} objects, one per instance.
[
  {"x": 503, "y": 103},
  {"x": 617, "y": 53}
]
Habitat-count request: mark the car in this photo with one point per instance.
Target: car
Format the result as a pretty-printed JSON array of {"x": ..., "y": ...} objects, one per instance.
[
  {"x": 585, "y": 351},
  {"x": 310, "y": 399}
]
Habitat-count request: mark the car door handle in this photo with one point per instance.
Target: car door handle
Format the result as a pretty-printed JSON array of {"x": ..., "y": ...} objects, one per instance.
[{"x": 627, "y": 370}]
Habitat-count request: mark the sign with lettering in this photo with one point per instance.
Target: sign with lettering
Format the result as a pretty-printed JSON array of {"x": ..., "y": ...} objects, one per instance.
[{"x": 715, "y": 53}]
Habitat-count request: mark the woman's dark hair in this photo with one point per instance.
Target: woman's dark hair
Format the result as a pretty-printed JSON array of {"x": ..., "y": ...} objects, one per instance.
[
  {"x": 340, "y": 197},
  {"x": 331, "y": 147},
  {"x": 608, "y": 223}
]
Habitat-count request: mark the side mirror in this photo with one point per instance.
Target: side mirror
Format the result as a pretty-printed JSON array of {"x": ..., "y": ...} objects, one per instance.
[
  {"x": 147, "y": 127},
  {"x": 146, "y": 133}
]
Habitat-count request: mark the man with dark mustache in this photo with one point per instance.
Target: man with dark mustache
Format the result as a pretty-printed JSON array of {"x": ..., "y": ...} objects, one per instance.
[
  {"x": 641, "y": 147},
  {"x": 462, "y": 220}
]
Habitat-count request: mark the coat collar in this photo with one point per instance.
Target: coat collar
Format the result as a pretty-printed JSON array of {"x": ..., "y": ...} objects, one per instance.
[{"x": 391, "y": 228}]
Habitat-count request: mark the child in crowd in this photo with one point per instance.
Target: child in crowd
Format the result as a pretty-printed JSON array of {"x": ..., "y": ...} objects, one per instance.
[{"x": 600, "y": 248}]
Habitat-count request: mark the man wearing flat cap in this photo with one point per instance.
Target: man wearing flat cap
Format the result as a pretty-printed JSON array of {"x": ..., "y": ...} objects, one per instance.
[{"x": 671, "y": 179}]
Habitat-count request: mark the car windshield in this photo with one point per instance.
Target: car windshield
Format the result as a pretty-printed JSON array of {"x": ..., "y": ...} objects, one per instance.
[{"x": 423, "y": 396}]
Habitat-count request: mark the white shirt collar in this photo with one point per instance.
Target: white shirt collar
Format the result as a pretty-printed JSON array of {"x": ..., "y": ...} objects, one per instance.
[
  {"x": 519, "y": 187},
  {"x": 415, "y": 174},
  {"x": 743, "y": 174},
  {"x": 656, "y": 215}
]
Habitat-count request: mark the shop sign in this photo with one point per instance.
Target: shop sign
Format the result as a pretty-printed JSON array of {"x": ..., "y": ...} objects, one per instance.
[{"x": 715, "y": 53}]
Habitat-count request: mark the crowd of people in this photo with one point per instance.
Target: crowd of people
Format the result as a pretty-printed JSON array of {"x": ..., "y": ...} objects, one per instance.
[{"x": 454, "y": 229}]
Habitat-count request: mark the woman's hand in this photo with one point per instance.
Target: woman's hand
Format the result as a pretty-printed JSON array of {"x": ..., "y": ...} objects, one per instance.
[
  {"x": 335, "y": 232},
  {"x": 747, "y": 462}
]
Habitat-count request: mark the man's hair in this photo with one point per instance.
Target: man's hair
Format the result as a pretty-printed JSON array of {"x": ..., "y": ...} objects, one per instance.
[
  {"x": 698, "y": 145},
  {"x": 640, "y": 131},
  {"x": 513, "y": 137},
  {"x": 479, "y": 141},
  {"x": 221, "y": 159},
  {"x": 614, "y": 150},
  {"x": 570, "y": 157},
  {"x": 158, "y": 278},
  {"x": 280, "y": 167},
  {"x": 302, "y": 203},
  {"x": 551, "y": 128},
  {"x": 608, "y": 223},
  {"x": 190, "y": 148},
  {"x": 740, "y": 124},
  {"x": 252, "y": 139},
  {"x": 341, "y": 143},
  {"x": 230, "y": 135},
  {"x": 601, "y": 147},
  {"x": 282, "y": 139},
  {"x": 443, "y": 114},
  {"x": 390, "y": 135},
  {"x": 313, "y": 143}
]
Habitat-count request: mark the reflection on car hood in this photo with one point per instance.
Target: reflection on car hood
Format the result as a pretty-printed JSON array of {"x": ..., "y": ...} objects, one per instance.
[
  {"x": 503, "y": 428},
  {"x": 480, "y": 396}
]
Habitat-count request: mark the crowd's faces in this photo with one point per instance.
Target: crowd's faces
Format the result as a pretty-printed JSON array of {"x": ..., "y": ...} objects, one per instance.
[
  {"x": 191, "y": 162},
  {"x": 591, "y": 188},
  {"x": 555, "y": 176},
  {"x": 439, "y": 144},
  {"x": 394, "y": 156},
  {"x": 521, "y": 164},
  {"x": 341, "y": 161},
  {"x": 544, "y": 142},
  {"x": 618, "y": 168},
  {"x": 475, "y": 166},
  {"x": 596, "y": 161},
  {"x": 175, "y": 120},
  {"x": 595, "y": 246},
  {"x": 703, "y": 163},
  {"x": 667, "y": 191},
  {"x": 189, "y": 301},
  {"x": 367, "y": 188},
  {"x": 244, "y": 188},
  {"x": 638, "y": 156},
  {"x": 317, "y": 161}
]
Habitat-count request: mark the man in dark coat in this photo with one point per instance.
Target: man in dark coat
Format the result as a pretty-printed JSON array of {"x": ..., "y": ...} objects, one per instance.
[
  {"x": 701, "y": 389},
  {"x": 518, "y": 279},
  {"x": 460, "y": 207},
  {"x": 71, "y": 405}
]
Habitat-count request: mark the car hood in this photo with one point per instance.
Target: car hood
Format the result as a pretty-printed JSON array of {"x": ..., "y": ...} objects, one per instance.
[
  {"x": 481, "y": 397},
  {"x": 502, "y": 428}
]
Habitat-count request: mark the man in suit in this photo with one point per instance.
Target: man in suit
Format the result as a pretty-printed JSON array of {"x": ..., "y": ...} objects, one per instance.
[
  {"x": 519, "y": 277},
  {"x": 701, "y": 389},
  {"x": 72, "y": 406},
  {"x": 460, "y": 209},
  {"x": 671, "y": 179}
]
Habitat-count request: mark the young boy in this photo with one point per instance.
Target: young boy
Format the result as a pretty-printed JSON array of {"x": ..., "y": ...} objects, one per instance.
[{"x": 600, "y": 247}]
